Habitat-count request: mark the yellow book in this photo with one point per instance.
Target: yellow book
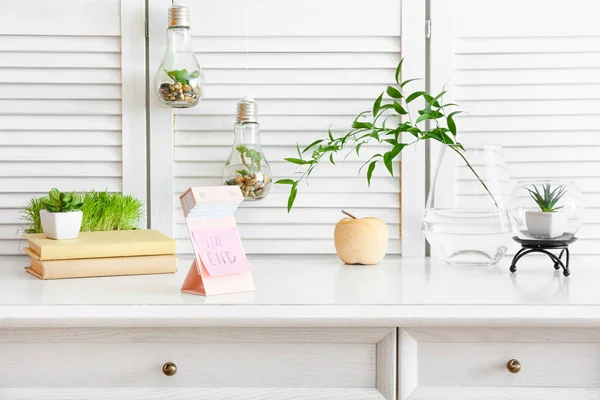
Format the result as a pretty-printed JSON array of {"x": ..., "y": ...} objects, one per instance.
[
  {"x": 93, "y": 267},
  {"x": 106, "y": 244}
]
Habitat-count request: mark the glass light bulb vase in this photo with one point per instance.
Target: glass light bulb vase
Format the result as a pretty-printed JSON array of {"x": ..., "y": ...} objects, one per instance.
[
  {"x": 247, "y": 166},
  {"x": 465, "y": 221},
  {"x": 179, "y": 81}
]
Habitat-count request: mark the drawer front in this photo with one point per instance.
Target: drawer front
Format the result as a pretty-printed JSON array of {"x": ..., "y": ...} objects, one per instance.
[
  {"x": 485, "y": 364},
  {"x": 443, "y": 359},
  {"x": 205, "y": 358}
]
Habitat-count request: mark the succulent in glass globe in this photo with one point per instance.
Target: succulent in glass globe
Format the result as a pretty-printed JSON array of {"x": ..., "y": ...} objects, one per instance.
[{"x": 546, "y": 210}]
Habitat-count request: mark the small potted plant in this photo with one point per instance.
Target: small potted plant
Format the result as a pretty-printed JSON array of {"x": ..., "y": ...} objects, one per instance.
[
  {"x": 546, "y": 223},
  {"x": 62, "y": 215}
]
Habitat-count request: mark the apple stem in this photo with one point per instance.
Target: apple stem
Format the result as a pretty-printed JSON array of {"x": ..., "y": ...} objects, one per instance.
[{"x": 348, "y": 214}]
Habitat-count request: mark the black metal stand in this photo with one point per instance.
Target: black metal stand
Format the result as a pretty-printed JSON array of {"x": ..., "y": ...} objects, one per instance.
[{"x": 544, "y": 247}]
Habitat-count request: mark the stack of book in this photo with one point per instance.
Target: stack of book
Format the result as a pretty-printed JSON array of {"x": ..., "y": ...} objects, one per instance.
[{"x": 110, "y": 253}]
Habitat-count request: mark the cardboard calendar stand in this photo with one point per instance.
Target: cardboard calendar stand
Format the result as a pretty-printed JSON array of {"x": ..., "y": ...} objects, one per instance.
[{"x": 220, "y": 265}]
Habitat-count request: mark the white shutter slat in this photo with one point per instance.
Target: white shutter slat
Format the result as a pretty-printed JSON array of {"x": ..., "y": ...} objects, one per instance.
[
  {"x": 512, "y": 45},
  {"x": 60, "y": 153},
  {"x": 284, "y": 60},
  {"x": 37, "y": 91},
  {"x": 226, "y": 107},
  {"x": 283, "y": 169},
  {"x": 312, "y": 44},
  {"x": 306, "y": 77},
  {"x": 61, "y": 122},
  {"x": 60, "y": 107},
  {"x": 529, "y": 82},
  {"x": 300, "y": 246},
  {"x": 61, "y": 138},
  {"x": 60, "y": 60},
  {"x": 279, "y": 231},
  {"x": 280, "y": 216},
  {"x": 58, "y": 44},
  {"x": 57, "y": 75},
  {"x": 62, "y": 113},
  {"x": 50, "y": 169},
  {"x": 307, "y": 91}
]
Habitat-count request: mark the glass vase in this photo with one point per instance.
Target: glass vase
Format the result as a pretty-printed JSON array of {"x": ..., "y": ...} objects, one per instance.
[
  {"x": 533, "y": 218},
  {"x": 466, "y": 222},
  {"x": 247, "y": 166}
]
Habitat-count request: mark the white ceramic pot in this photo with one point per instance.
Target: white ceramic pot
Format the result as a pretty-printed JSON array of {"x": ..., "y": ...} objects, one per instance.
[
  {"x": 62, "y": 225},
  {"x": 545, "y": 225}
]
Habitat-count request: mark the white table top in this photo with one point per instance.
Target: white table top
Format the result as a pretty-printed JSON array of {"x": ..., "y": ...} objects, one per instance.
[{"x": 315, "y": 290}]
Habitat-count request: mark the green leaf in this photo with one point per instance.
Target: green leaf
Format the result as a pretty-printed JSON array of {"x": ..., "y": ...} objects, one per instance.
[
  {"x": 298, "y": 161},
  {"x": 358, "y": 146},
  {"x": 370, "y": 171},
  {"x": 414, "y": 96},
  {"x": 375, "y": 135},
  {"x": 393, "y": 142},
  {"x": 399, "y": 109},
  {"x": 292, "y": 197},
  {"x": 423, "y": 117},
  {"x": 54, "y": 194},
  {"x": 285, "y": 182},
  {"x": 313, "y": 144},
  {"x": 452, "y": 114},
  {"x": 397, "y": 149},
  {"x": 393, "y": 92},
  {"x": 434, "y": 101},
  {"x": 387, "y": 161},
  {"x": 431, "y": 101},
  {"x": 399, "y": 71},
  {"x": 362, "y": 125},
  {"x": 377, "y": 104},
  {"x": 409, "y": 81},
  {"x": 451, "y": 125},
  {"x": 330, "y": 135},
  {"x": 331, "y": 159}
]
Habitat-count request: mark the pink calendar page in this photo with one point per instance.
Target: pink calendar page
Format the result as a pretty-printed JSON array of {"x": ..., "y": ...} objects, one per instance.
[{"x": 220, "y": 250}]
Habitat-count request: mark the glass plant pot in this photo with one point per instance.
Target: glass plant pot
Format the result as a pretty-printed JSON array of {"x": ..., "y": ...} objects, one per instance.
[
  {"x": 465, "y": 220},
  {"x": 546, "y": 210},
  {"x": 247, "y": 166},
  {"x": 179, "y": 81}
]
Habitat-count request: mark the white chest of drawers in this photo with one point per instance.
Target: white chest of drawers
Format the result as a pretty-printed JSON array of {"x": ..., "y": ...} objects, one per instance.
[{"x": 314, "y": 329}]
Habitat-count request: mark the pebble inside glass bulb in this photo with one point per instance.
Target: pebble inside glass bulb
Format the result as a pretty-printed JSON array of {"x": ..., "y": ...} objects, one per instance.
[
  {"x": 179, "y": 81},
  {"x": 247, "y": 166}
]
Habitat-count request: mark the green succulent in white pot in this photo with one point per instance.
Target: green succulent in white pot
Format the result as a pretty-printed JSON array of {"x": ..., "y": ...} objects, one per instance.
[
  {"x": 61, "y": 217},
  {"x": 548, "y": 222}
]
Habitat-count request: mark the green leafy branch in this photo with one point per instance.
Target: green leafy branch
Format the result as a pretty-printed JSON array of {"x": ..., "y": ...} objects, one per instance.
[
  {"x": 547, "y": 198},
  {"x": 250, "y": 158},
  {"x": 394, "y": 107},
  {"x": 182, "y": 75}
]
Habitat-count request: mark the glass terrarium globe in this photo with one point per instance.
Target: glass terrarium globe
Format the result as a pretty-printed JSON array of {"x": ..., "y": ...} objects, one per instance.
[
  {"x": 546, "y": 210},
  {"x": 465, "y": 220}
]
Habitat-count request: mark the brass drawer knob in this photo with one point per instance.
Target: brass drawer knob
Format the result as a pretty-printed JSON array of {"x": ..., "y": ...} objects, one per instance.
[
  {"x": 169, "y": 369},
  {"x": 513, "y": 366}
]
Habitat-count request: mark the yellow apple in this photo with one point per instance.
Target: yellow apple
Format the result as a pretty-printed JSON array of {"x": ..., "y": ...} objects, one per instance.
[{"x": 360, "y": 240}]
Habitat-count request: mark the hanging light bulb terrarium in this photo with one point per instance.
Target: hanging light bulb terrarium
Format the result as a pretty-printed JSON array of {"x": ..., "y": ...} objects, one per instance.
[
  {"x": 179, "y": 81},
  {"x": 247, "y": 166}
]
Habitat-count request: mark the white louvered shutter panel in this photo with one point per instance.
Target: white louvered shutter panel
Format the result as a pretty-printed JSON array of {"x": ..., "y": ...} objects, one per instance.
[
  {"x": 528, "y": 74},
  {"x": 310, "y": 65},
  {"x": 63, "y": 119}
]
